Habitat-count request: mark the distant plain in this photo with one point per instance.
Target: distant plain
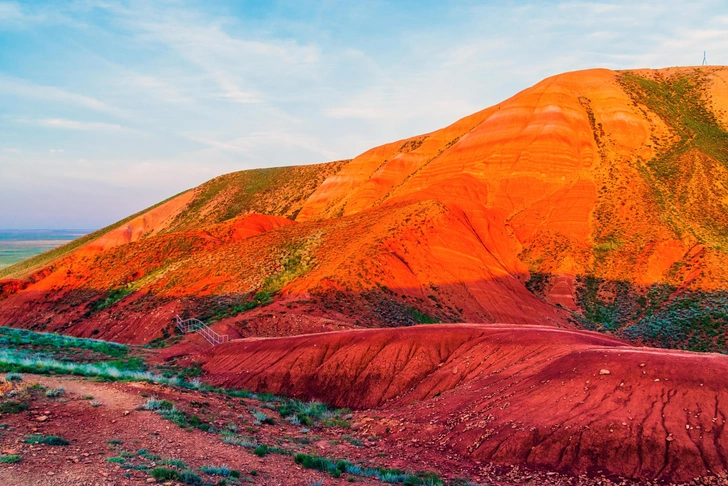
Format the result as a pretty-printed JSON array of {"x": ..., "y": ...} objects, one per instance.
[{"x": 18, "y": 244}]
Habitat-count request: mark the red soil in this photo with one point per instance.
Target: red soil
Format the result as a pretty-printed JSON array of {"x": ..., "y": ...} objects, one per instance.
[
  {"x": 577, "y": 402},
  {"x": 452, "y": 223}
]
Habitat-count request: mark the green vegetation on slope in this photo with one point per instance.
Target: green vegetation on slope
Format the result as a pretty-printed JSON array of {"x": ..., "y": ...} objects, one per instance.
[
  {"x": 278, "y": 191},
  {"x": 689, "y": 172},
  {"x": 16, "y": 337}
]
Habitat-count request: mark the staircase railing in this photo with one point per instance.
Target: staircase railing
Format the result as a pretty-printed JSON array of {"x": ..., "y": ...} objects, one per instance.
[{"x": 196, "y": 325}]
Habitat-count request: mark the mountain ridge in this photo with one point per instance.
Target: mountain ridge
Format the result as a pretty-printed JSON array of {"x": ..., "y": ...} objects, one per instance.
[{"x": 573, "y": 203}]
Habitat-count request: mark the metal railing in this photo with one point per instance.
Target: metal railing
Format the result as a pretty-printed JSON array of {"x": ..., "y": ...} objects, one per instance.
[{"x": 196, "y": 325}]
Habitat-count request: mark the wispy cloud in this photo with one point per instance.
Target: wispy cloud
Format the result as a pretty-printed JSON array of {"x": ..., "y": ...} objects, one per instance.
[
  {"x": 220, "y": 86},
  {"x": 28, "y": 89},
  {"x": 255, "y": 140},
  {"x": 76, "y": 125}
]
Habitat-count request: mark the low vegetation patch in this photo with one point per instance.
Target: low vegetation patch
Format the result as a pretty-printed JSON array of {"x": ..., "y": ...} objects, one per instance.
[
  {"x": 222, "y": 471},
  {"x": 185, "y": 476},
  {"x": 336, "y": 467},
  {"x": 45, "y": 439},
  {"x": 12, "y": 406},
  {"x": 18, "y": 337},
  {"x": 10, "y": 458},
  {"x": 312, "y": 413}
]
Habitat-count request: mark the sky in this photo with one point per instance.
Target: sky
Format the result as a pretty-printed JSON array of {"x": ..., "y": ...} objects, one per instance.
[{"x": 107, "y": 107}]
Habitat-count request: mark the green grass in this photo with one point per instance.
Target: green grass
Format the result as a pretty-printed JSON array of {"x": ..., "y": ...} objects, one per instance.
[
  {"x": 113, "y": 296},
  {"x": 681, "y": 102},
  {"x": 336, "y": 467},
  {"x": 420, "y": 317},
  {"x": 312, "y": 413},
  {"x": 222, "y": 471},
  {"x": 45, "y": 439},
  {"x": 15, "y": 337},
  {"x": 13, "y": 407},
  {"x": 10, "y": 458},
  {"x": 280, "y": 191}
]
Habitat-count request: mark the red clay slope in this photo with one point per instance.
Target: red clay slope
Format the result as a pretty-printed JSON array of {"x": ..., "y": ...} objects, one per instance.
[
  {"x": 573, "y": 401},
  {"x": 498, "y": 217}
]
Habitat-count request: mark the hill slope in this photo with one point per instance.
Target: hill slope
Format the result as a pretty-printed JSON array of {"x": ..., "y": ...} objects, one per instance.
[
  {"x": 577, "y": 402},
  {"x": 594, "y": 199}
]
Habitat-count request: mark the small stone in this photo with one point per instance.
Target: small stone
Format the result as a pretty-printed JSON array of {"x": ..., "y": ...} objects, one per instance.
[
  {"x": 657, "y": 379},
  {"x": 151, "y": 480},
  {"x": 642, "y": 365},
  {"x": 604, "y": 372},
  {"x": 41, "y": 418}
]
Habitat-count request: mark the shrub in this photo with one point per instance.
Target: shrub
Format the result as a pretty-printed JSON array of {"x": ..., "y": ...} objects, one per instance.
[
  {"x": 164, "y": 474},
  {"x": 335, "y": 468},
  {"x": 13, "y": 407},
  {"x": 189, "y": 477},
  {"x": 10, "y": 458},
  {"x": 174, "y": 462},
  {"x": 116, "y": 460},
  {"x": 223, "y": 471},
  {"x": 261, "y": 418},
  {"x": 54, "y": 392},
  {"x": 147, "y": 455},
  {"x": 156, "y": 404},
  {"x": 246, "y": 442},
  {"x": 14, "y": 377},
  {"x": 45, "y": 439}
]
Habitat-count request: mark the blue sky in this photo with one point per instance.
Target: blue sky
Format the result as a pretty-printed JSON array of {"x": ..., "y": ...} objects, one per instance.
[{"x": 107, "y": 107}]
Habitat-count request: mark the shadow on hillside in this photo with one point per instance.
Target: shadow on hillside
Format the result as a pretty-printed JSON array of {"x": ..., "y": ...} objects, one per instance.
[{"x": 658, "y": 315}]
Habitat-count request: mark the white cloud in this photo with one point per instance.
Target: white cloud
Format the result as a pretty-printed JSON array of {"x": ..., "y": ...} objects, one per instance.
[
  {"x": 28, "y": 89},
  {"x": 78, "y": 125},
  {"x": 10, "y": 11},
  {"x": 249, "y": 143}
]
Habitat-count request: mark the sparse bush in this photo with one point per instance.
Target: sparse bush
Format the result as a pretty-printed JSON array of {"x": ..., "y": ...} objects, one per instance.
[
  {"x": 164, "y": 474},
  {"x": 189, "y": 477},
  {"x": 311, "y": 413},
  {"x": 263, "y": 450},
  {"x": 45, "y": 439},
  {"x": 147, "y": 455},
  {"x": 223, "y": 471},
  {"x": 17, "y": 337},
  {"x": 14, "y": 377},
  {"x": 174, "y": 462},
  {"x": 116, "y": 460},
  {"x": 156, "y": 404},
  {"x": 261, "y": 418},
  {"x": 335, "y": 468},
  {"x": 54, "y": 392},
  {"x": 95, "y": 403},
  {"x": 246, "y": 442},
  {"x": 13, "y": 407},
  {"x": 10, "y": 458}
]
